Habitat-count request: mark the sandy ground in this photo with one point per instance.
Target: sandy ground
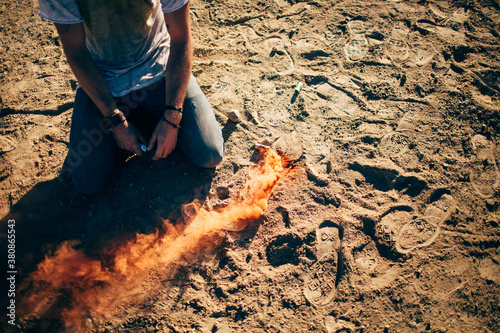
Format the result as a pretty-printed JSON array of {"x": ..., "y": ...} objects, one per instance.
[{"x": 389, "y": 221}]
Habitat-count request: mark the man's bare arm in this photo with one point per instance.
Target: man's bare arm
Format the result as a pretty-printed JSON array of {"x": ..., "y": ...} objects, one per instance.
[
  {"x": 177, "y": 76},
  {"x": 92, "y": 81},
  {"x": 87, "y": 73},
  {"x": 181, "y": 55}
]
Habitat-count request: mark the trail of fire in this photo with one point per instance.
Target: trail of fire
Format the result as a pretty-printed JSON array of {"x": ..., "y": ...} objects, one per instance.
[{"x": 96, "y": 290}]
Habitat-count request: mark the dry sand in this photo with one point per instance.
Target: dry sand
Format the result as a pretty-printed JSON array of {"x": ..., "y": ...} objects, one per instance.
[{"x": 389, "y": 222}]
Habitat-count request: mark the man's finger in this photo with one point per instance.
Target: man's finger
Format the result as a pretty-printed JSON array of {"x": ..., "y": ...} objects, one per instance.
[
  {"x": 141, "y": 138},
  {"x": 159, "y": 153},
  {"x": 135, "y": 148},
  {"x": 152, "y": 141}
]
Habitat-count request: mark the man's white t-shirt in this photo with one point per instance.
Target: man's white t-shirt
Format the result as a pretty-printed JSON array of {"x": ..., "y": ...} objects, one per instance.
[{"x": 127, "y": 39}]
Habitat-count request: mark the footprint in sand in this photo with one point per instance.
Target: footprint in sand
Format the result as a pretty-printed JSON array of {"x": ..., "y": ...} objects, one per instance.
[
  {"x": 271, "y": 53},
  {"x": 275, "y": 117},
  {"x": 457, "y": 19},
  {"x": 424, "y": 53},
  {"x": 320, "y": 283},
  {"x": 279, "y": 58},
  {"x": 397, "y": 48},
  {"x": 396, "y": 146},
  {"x": 366, "y": 259},
  {"x": 484, "y": 174},
  {"x": 357, "y": 46},
  {"x": 7, "y": 144},
  {"x": 401, "y": 231},
  {"x": 450, "y": 35},
  {"x": 423, "y": 231},
  {"x": 387, "y": 229},
  {"x": 334, "y": 34}
]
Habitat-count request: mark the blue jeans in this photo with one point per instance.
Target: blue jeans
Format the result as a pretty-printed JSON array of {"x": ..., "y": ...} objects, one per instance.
[{"x": 92, "y": 149}]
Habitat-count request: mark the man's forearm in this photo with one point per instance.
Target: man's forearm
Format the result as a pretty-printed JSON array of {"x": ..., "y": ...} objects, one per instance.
[
  {"x": 178, "y": 72},
  {"x": 91, "y": 80},
  {"x": 84, "y": 67}
]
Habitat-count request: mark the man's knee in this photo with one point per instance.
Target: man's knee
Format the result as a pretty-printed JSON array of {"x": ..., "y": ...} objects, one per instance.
[
  {"x": 210, "y": 158},
  {"x": 89, "y": 174}
]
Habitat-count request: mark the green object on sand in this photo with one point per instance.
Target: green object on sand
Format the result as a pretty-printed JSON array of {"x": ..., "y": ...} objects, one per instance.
[{"x": 298, "y": 88}]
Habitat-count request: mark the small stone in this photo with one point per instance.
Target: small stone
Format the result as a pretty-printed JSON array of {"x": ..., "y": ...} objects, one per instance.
[
  {"x": 491, "y": 204},
  {"x": 291, "y": 145},
  {"x": 223, "y": 192},
  {"x": 249, "y": 256},
  {"x": 234, "y": 115},
  {"x": 403, "y": 79}
]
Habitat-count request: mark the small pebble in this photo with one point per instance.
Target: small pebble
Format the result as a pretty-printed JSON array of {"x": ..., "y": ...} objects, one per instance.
[
  {"x": 403, "y": 79},
  {"x": 491, "y": 204},
  {"x": 234, "y": 115},
  {"x": 216, "y": 326}
]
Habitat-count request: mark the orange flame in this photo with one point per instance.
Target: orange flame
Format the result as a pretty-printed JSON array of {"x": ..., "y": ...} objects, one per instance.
[{"x": 95, "y": 290}]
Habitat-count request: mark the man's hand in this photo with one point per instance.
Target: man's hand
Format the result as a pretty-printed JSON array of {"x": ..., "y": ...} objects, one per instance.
[
  {"x": 165, "y": 138},
  {"x": 128, "y": 137}
]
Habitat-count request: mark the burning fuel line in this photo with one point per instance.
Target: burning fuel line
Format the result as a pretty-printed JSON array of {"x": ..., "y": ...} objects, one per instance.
[{"x": 94, "y": 290}]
